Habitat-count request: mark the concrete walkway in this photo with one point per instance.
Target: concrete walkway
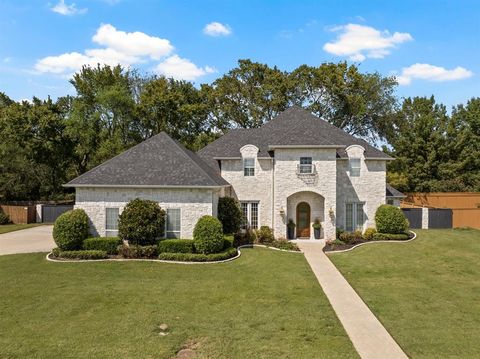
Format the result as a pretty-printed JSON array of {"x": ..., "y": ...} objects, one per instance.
[
  {"x": 369, "y": 337},
  {"x": 36, "y": 239}
]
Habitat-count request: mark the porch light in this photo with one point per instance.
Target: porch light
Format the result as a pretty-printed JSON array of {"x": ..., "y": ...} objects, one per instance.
[{"x": 282, "y": 211}]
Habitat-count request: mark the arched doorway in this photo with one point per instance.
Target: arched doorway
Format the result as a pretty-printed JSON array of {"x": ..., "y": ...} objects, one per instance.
[{"x": 303, "y": 220}]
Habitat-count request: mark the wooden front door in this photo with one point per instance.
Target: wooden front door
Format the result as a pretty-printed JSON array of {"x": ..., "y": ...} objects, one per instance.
[{"x": 303, "y": 220}]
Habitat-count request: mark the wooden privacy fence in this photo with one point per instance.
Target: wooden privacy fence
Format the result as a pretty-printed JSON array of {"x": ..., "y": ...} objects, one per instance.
[
  {"x": 466, "y": 217},
  {"x": 20, "y": 214}
]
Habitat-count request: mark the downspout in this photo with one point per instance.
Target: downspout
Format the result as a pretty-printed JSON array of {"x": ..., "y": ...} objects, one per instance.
[{"x": 273, "y": 194}]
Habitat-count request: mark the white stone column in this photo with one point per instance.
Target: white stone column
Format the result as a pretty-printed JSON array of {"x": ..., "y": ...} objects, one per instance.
[{"x": 424, "y": 218}]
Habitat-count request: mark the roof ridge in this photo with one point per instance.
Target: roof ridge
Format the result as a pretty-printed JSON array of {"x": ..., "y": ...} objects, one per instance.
[{"x": 186, "y": 152}]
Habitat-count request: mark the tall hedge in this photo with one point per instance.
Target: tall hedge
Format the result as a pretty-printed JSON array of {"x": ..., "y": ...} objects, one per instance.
[
  {"x": 208, "y": 235},
  {"x": 142, "y": 222},
  {"x": 230, "y": 214},
  {"x": 390, "y": 219},
  {"x": 70, "y": 230}
]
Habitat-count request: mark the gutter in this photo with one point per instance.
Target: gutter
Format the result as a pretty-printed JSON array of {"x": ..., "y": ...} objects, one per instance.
[{"x": 68, "y": 185}]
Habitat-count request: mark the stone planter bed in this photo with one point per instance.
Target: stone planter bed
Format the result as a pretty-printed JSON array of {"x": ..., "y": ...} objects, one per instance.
[{"x": 334, "y": 247}]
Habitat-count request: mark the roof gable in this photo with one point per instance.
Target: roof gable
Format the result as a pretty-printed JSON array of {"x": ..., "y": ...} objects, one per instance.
[{"x": 157, "y": 162}]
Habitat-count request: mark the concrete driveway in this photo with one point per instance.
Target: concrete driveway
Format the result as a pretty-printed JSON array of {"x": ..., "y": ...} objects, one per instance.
[{"x": 36, "y": 239}]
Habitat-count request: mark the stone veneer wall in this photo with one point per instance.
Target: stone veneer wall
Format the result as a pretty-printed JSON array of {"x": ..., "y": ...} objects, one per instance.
[
  {"x": 369, "y": 187},
  {"x": 193, "y": 204}
]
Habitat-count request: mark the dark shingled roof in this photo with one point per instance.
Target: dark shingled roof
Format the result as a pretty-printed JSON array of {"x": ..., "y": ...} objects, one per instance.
[
  {"x": 393, "y": 192},
  {"x": 294, "y": 126},
  {"x": 158, "y": 161}
]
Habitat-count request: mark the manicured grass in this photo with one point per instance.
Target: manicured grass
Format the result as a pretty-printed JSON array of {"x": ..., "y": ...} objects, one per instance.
[
  {"x": 426, "y": 292},
  {"x": 5, "y": 228},
  {"x": 266, "y": 304}
]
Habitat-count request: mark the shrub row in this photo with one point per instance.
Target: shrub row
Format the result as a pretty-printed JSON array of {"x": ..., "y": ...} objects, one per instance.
[
  {"x": 284, "y": 244},
  {"x": 351, "y": 237},
  {"x": 80, "y": 254},
  {"x": 107, "y": 244},
  {"x": 176, "y": 246},
  {"x": 199, "y": 257},
  {"x": 135, "y": 251},
  {"x": 390, "y": 236}
]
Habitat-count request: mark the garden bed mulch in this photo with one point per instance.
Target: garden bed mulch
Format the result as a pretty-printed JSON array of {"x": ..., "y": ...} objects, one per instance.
[{"x": 331, "y": 247}]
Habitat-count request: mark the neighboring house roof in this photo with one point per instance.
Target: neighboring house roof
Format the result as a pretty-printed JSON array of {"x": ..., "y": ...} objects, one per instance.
[
  {"x": 393, "y": 192},
  {"x": 159, "y": 161},
  {"x": 293, "y": 127}
]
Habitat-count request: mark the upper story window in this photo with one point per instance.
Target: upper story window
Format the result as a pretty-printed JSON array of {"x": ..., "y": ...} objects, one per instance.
[
  {"x": 354, "y": 164},
  {"x": 249, "y": 166},
  {"x": 305, "y": 165}
]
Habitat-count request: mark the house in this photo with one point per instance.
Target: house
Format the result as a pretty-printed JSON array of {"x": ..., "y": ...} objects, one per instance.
[{"x": 295, "y": 167}]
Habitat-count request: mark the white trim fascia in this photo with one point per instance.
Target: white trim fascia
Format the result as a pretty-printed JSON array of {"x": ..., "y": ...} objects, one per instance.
[
  {"x": 142, "y": 186},
  {"x": 239, "y": 158},
  {"x": 369, "y": 159},
  {"x": 271, "y": 147}
]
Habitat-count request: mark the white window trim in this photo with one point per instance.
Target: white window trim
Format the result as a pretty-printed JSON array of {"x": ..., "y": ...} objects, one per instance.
[
  {"x": 249, "y": 167},
  {"x": 310, "y": 165},
  {"x": 166, "y": 224},
  {"x": 113, "y": 231},
  {"x": 350, "y": 167},
  {"x": 249, "y": 211},
  {"x": 354, "y": 216}
]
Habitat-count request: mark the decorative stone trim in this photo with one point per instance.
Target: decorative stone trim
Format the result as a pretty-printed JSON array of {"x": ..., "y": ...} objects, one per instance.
[{"x": 361, "y": 244}]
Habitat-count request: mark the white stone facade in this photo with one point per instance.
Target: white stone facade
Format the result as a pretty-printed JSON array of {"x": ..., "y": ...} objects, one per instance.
[{"x": 193, "y": 203}]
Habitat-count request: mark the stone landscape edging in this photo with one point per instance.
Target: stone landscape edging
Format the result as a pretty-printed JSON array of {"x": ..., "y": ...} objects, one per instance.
[
  {"x": 264, "y": 246},
  {"x": 370, "y": 242}
]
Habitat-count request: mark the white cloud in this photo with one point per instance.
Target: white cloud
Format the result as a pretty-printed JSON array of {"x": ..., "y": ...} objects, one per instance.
[
  {"x": 432, "y": 73},
  {"x": 181, "y": 69},
  {"x": 64, "y": 9},
  {"x": 132, "y": 43},
  {"x": 358, "y": 42},
  {"x": 126, "y": 49},
  {"x": 217, "y": 29}
]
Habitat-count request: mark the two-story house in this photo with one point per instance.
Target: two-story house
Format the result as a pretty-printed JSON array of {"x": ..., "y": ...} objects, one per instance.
[{"x": 295, "y": 167}]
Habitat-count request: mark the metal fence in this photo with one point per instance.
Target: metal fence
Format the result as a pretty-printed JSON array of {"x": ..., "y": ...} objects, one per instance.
[{"x": 51, "y": 212}]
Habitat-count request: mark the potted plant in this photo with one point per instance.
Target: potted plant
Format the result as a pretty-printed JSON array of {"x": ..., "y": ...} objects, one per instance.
[
  {"x": 291, "y": 229},
  {"x": 317, "y": 227}
]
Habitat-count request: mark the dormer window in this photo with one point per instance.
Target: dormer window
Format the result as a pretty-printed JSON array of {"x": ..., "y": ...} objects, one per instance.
[
  {"x": 354, "y": 164},
  {"x": 305, "y": 165},
  {"x": 249, "y": 167}
]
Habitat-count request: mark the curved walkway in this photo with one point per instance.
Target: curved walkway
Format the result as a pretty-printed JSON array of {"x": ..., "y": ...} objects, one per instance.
[
  {"x": 36, "y": 239},
  {"x": 368, "y": 335}
]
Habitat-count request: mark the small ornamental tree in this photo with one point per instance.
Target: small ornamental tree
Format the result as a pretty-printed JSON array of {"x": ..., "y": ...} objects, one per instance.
[
  {"x": 230, "y": 214},
  {"x": 208, "y": 235},
  {"x": 142, "y": 222},
  {"x": 70, "y": 230},
  {"x": 390, "y": 219}
]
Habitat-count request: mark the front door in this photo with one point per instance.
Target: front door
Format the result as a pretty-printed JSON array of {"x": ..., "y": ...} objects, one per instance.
[{"x": 303, "y": 220}]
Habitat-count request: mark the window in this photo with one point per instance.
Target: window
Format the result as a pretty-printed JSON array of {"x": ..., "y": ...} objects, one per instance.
[
  {"x": 354, "y": 217},
  {"x": 111, "y": 222},
  {"x": 173, "y": 223},
  {"x": 250, "y": 214},
  {"x": 354, "y": 167},
  {"x": 249, "y": 167},
  {"x": 390, "y": 201},
  {"x": 305, "y": 165}
]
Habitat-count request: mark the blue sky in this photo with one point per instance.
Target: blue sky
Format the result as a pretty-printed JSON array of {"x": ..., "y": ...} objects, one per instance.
[{"x": 433, "y": 46}]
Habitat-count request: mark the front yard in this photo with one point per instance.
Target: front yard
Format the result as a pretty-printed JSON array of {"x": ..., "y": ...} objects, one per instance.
[
  {"x": 425, "y": 292},
  {"x": 6, "y": 228},
  {"x": 266, "y": 304}
]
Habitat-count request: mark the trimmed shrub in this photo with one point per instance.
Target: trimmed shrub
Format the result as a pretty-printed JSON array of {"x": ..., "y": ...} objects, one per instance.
[
  {"x": 351, "y": 237},
  {"x": 244, "y": 238},
  {"x": 107, "y": 244},
  {"x": 4, "y": 218},
  {"x": 227, "y": 242},
  {"x": 81, "y": 254},
  {"x": 390, "y": 236},
  {"x": 390, "y": 219},
  {"x": 369, "y": 232},
  {"x": 135, "y": 251},
  {"x": 71, "y": 229},
  {"x": 176, "y": 246},
  {"x": 199, "y": 257},
  {"x": 142, "y": 222},
  {"x": 208, "y": 235},
  {"x": 265, "y": 235},
  {"x": 229, "y": 214}
]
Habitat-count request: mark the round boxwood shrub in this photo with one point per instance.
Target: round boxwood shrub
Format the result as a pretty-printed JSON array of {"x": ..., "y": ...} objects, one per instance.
[
  {"x": 390, "y": 219},
  {"x": 208, "y": 235},
  {"x": 230, "y": 214},
  {"x": 70, "y": 230},
  {"x": 142, "y": 222}
]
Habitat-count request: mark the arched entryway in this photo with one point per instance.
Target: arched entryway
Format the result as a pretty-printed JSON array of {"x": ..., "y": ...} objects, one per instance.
[{"x": 303, "y": 220}]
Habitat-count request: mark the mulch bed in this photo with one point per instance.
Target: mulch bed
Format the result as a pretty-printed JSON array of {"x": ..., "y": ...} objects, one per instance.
[{"x": 340, "y": 247}]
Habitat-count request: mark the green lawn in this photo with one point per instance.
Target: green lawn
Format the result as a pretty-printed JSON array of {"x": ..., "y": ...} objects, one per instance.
[
  {"x": 267, "y": 304},
  {"x": 426, "y": 292},
  {"x": 5, "y": 228}
]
